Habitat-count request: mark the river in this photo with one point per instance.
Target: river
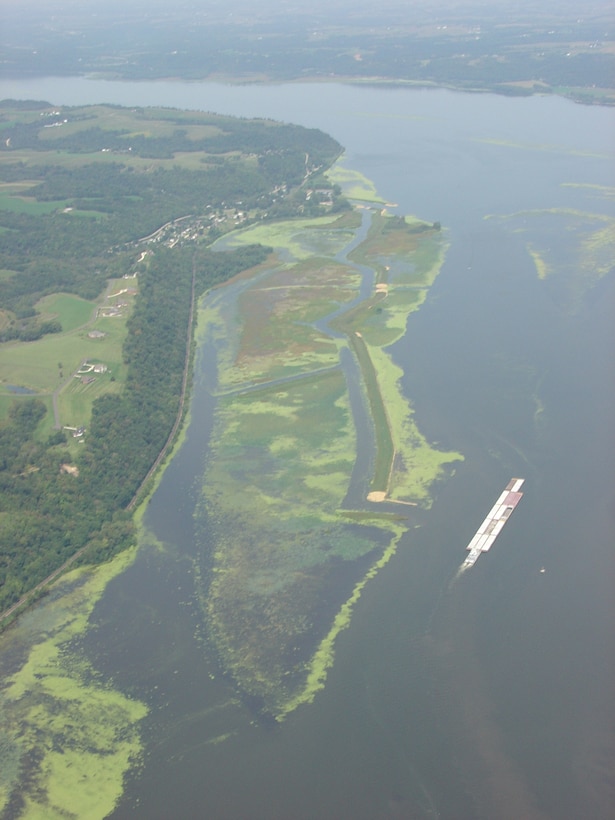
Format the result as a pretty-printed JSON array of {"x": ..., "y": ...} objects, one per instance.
[{"x": 481, "y": 696}]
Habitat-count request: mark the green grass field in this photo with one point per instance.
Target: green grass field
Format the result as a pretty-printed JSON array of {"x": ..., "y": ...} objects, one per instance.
[
  {"x": 35, "y": 365},
  {"x": 75, "y": 401},
  {"x": 147, "y": 123},
  {"x": 194, "y": 160},
  {"x": 71, "y": 311},
  {"x": 45, "y": 365},
  {"x": 29, "y": 205},
  {"x": 158, "y": 123}
]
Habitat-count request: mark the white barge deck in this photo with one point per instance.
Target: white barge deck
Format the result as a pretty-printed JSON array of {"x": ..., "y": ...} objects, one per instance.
[{"x": 494, "y": 522}]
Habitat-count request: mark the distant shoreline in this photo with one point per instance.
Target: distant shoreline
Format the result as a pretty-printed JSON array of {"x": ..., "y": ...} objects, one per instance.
[{"x": 512, "y": 88}]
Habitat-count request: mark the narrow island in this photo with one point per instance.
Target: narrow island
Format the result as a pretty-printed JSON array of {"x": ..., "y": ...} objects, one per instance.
[{"x": 295, "y": 532}]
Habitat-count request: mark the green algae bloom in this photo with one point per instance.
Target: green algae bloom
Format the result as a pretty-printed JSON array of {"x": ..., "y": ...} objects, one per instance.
[
  {"x": 68, "y": 737},
  {"x": 578, "y": 245},
  {"x": 353, "y": 183}
]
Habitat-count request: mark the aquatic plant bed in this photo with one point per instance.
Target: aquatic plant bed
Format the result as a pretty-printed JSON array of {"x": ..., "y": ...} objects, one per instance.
[{"x": 283, "y": 561}]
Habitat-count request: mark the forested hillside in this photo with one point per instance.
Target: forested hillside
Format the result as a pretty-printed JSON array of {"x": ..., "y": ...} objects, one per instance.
[
  {"x": 75, "y": 186},
  {"x": 93, "y": 193}
]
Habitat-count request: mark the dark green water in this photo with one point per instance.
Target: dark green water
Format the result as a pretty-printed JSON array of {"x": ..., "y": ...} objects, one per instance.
[{"x": 483, "y": 696}]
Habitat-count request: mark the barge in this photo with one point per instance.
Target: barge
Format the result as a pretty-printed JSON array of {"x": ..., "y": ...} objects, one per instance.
[{"x": 494, "y": 522}]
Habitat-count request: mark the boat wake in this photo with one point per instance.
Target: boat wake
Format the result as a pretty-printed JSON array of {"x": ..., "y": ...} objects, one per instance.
[{"x": 462, "y": 568}]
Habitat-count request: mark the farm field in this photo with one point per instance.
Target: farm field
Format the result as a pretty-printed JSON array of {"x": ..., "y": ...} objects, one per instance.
[
  {"x": 15, "y": 201},
  {"x": 71, "y": 311},
  {"x": 123, "y": 126},
  {"x": 51, "y": 364}
]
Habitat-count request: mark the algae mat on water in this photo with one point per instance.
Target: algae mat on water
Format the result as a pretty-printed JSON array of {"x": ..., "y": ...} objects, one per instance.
[
  {"x": 283, "y": 562},
  {"x": 576, "y": 246},
  {"x": 67, "y": 738}
]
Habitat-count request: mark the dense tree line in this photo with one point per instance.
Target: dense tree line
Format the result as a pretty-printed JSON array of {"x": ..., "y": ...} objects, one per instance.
[{"x": 46, "y": 515}]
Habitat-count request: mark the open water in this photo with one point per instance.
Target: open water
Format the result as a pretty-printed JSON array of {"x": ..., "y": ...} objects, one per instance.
[{"x": 487, "y": 695}]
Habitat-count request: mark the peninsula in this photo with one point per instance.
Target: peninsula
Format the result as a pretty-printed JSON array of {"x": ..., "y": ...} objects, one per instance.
[{"x": 96, "y": 296}]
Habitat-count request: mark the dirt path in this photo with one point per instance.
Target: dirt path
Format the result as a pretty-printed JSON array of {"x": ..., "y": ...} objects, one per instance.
[{"x": 57, "y": 425}]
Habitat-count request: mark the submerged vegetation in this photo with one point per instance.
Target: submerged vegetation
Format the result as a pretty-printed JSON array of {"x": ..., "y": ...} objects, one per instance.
[
  {"x": 67, "y": 737},
  {"x": 284, "y": 554},
  {"x": 578, "y": 245}
]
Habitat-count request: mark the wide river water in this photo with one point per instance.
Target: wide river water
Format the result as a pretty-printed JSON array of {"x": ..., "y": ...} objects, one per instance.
[{"x": 487, "y": 695}]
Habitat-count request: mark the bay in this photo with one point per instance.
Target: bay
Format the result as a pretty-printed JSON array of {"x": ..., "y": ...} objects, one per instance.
[{"x": 479, "y": 696}]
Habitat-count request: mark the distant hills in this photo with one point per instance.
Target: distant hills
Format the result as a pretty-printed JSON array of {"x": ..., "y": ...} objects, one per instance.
[{"x": 511, "y": 48}]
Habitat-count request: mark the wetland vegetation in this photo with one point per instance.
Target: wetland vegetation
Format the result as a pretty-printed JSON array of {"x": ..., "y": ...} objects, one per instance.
[
  {"x": 284, "y": 555},
  {"x": 68, "y": 736}
]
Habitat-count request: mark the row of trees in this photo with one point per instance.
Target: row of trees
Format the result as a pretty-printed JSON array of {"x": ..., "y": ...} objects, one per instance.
[{"x": 47, "y": 514}]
